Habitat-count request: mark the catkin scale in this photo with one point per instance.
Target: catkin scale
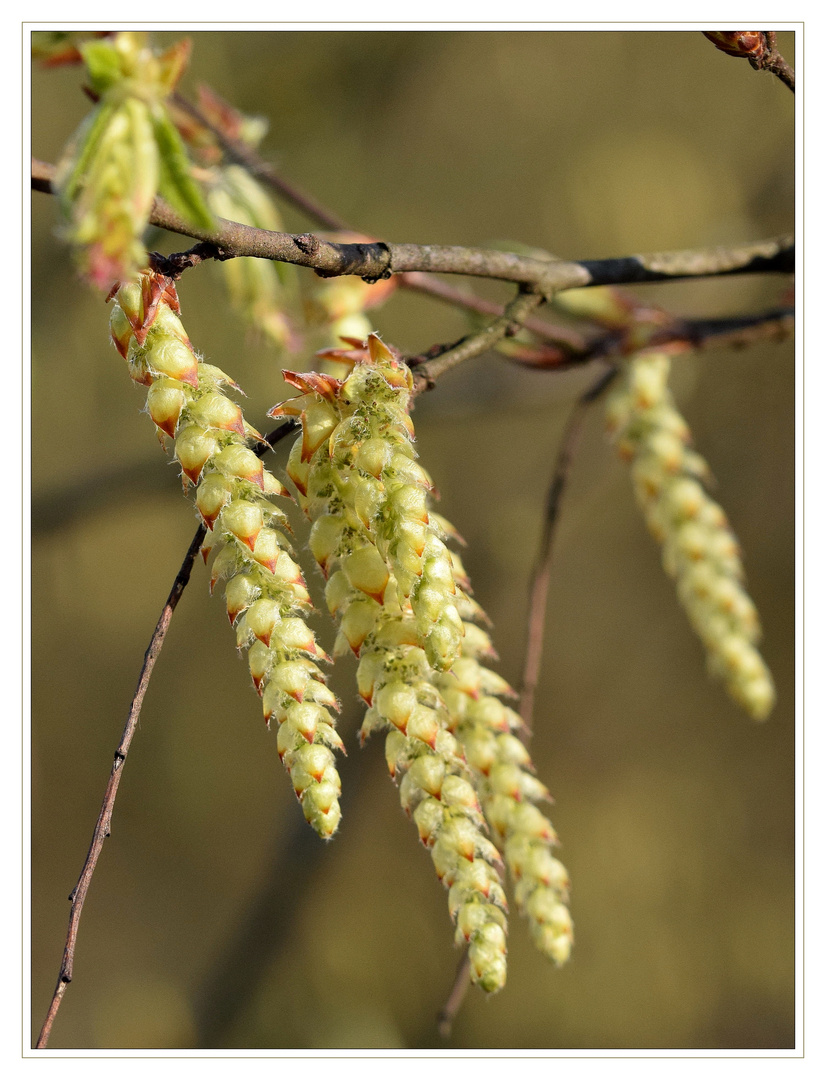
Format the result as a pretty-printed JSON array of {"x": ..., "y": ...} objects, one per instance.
[{"x": 266, "y": 595}]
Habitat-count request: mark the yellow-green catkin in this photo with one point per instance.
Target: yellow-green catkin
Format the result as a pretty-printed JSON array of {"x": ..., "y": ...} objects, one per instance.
[
  {"x": 391, "y": 585},
  {"x": 266, "y": 594},
  {"x": 486, "y": 729},
  {"x": 699, "y": 549},
  {"x": 258, "y": 288}
]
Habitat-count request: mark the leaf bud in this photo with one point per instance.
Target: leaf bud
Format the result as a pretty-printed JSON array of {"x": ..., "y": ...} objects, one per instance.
[
  {"x": 293, "y": 633},
  {"x": 409, "y": 502},
  {"x": 372, "y": 456},
  {"x": 488, "y": 968},
  {"x": 395, "y": 701},
  {"x": 268, "y": 552},
  {"x": 423, "y": 724},
  {"x": 428, "y": 773},
  {"x": 321, "y": 809},
  {"x": 358, "y": 621},
  {"x": 325, "y": 537},
  {"x": 261, "y": 618},
  {"x": 169, "y": 356},
  {"x": 337, "y": 592},
  {"x": 474, "y": 916},
  {"x": 458, "y": 792}
]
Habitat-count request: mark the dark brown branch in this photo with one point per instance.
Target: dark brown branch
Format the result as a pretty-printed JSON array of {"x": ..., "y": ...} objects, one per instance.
[
  {"x": 376, "y": 260},
  {"x": 738, "y": 332},
  {"x": 680, "y": 335},
  {"x": 542, "y": 571},
  {"x": 103, "y": 825},
  {"x": 779, "y": 67}
]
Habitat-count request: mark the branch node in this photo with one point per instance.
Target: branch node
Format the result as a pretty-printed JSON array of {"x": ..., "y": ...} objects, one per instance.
[{"x": 308, "y": 243}]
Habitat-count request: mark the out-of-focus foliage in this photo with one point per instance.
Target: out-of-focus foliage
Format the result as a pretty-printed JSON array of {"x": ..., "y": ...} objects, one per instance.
[{"x": 676, "y": 811}]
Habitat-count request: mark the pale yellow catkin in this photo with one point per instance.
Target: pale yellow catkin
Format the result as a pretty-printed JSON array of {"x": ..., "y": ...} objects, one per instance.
[
  {"x": 391, "y": 585},
  {"x": 266, "y": 595},
  {"x": 699, "y": 548}
]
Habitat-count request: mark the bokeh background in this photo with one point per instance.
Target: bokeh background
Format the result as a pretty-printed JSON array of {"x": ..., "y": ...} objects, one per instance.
[{"x": 216, "y": 918}]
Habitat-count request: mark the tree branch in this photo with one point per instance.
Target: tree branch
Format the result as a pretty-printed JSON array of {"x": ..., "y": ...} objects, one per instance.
[
  {"x": 376, "y": 260},
  {"x": 248, "y": 158}
]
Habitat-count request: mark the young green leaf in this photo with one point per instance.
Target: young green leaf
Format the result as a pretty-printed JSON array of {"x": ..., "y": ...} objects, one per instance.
[{"x": 176, "y": 184}]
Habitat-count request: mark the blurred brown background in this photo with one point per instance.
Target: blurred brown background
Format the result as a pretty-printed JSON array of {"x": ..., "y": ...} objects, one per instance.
[{"x": 216, "y": 918}]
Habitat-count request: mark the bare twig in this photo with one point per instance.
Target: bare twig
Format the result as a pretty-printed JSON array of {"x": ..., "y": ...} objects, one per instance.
[
  {"x": 450, "y": 1010},
  {"x": 426, "y": 374},
  {"x": 376, "y": 260},
  {"x": 245, "y": 155},
  {"x": 778, "y": 66},
  {"x": 542, "y": 570},
  {"x": 441, "y": 290},
  {"x": 103, "y": 824},
  {"x": 102, "y": 827},
  {"x": 680, "y": 335}
]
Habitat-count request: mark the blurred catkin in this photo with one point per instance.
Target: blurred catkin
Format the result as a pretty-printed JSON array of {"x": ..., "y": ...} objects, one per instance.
[{"x": 699, "y": 549}]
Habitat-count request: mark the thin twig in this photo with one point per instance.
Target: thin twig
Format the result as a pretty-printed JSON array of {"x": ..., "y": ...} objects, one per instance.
[
  {"x": 244, "y": 155},
  {"x": 681, "y": 335},
  {"x": 103, "y": 825},
  {"x": 542, "y": 571},
  {"x": 450, "y": 1010},
  {"x": 759, "y": 47},
  {"x": 425, "y": 375},
  {"x": 441, "y": 290},
  {"x": 779, "y": 67}
]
